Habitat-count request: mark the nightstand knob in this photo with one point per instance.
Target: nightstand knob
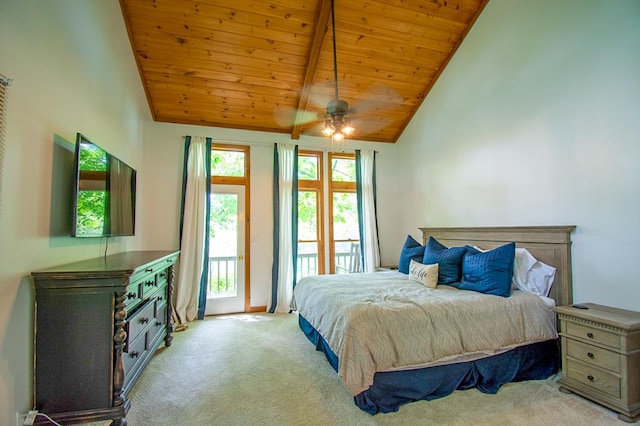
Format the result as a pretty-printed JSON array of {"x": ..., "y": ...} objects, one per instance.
[
  {"x": 590, "y": 378},
  {"x": 590, "y": 335},
  {"x": 590, "y": 355}
]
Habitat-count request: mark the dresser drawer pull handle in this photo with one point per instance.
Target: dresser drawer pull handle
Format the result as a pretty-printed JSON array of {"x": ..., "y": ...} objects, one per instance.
[
  {"x": 160, "y": 298},
  {"x": 590, "y": 335},
  {"x": 134, "y": 354},
  {"x": 144, "y": 320},
  {"x": 158, "y": 323},
  {"x": 131, "y": 295},
  {"x": 590, "y": 355},
  {"x": 590, "y": 378},
  {"x": 149, "y": 270},
  {"x": 149, "y": 283}
]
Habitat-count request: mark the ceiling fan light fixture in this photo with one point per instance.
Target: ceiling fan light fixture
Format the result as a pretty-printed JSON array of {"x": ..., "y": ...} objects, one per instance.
[
  {"x": 347, "y": 128},
  {"x": 329, "y": 128}
]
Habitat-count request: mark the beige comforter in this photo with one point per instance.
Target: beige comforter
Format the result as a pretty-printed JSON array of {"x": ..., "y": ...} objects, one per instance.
[{"x": 382, "y": 322}]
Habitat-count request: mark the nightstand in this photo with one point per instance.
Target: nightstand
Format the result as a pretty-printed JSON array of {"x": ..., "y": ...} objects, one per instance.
[
  {"x": 386, "y": 268},
  {"x": 601, "y": 356}
]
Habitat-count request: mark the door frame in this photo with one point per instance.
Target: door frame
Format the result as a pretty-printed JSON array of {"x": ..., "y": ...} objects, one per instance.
[
  {"x": 246, "y": 181},
  {"x": 235, "y": 304}
]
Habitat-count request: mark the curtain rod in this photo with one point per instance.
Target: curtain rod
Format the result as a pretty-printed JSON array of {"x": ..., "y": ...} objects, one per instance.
[
  {"x": 239, "y": 141},
  {"x": 5, "y": 81}
]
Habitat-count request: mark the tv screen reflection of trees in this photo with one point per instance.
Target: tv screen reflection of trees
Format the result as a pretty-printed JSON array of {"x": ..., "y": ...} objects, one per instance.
[{"x": 104, "y": 194}]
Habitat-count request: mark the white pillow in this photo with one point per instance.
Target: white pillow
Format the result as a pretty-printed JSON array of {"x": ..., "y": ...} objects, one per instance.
[
  {"x": 522, "y": 264},
  {"x": 426, "y": 275},
  {"x": 529, "y": 274}
]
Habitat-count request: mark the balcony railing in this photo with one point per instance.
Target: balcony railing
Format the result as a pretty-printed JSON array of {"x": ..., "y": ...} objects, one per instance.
[
  {"x": 222, "y": 276},
  {"x": 222, "y": 271}
]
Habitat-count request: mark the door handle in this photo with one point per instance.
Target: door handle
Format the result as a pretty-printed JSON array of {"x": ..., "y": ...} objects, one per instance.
[{"x": 241, "y": 257}]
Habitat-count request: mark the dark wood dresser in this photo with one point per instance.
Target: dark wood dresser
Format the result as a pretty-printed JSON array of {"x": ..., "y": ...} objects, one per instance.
[
  {"x": 97, "y": 324},
  {"x": 601, "y": 356}
]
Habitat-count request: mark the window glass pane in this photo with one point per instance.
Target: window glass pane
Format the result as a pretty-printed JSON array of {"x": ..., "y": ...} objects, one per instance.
[
  {"x": 307, "y": 167},
  {"x": 345, "y": 216},
  {"x": 223, "y": 245},
  {"x": 307, "y": 259},
  {"x": 227, "y": 163},
  {"x": 307, "y": 216},
  {"x": 343, "y": 170}
]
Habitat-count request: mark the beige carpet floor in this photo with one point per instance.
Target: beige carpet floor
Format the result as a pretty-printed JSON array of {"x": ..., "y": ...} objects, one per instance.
[{"x": 259, "y": 369}]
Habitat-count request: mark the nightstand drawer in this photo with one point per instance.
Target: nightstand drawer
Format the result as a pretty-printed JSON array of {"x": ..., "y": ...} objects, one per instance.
[
  {"x": 605, "y": 382},
  {"x": 593, "y": 355},
  {"x": 593, "y": 334}
]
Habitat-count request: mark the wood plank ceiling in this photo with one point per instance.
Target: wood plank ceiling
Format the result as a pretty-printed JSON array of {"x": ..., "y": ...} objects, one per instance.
[{"x": 269, "y": 65}]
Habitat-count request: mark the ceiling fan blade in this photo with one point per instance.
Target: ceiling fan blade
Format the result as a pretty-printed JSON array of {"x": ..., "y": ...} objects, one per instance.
[
  {"x": 377, "y": 97},
  {"x": 286, "y": 116},
  {"x": 365, "y": 127}
]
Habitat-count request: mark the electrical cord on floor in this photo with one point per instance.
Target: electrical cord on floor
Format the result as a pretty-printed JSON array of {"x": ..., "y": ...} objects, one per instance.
[
  {"x": 31, "y": 417},
  {"x": 48, "y": 418}
]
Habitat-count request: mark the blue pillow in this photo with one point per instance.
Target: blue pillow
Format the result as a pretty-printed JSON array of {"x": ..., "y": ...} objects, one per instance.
[
  {"x": 489, "y": 272},
  {"x": 410, "y": 250},
  {"x": 448, "y": 259}
]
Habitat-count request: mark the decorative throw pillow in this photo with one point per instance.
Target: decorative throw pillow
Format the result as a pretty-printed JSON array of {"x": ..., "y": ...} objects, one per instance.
[
  {"x": 427, "y": 275},
  {"x": 410, "y": 250},
  {"x": 449, "y": 260},
  {"x": 529, "y": 274},
  {"x": 489, "y": 272}
]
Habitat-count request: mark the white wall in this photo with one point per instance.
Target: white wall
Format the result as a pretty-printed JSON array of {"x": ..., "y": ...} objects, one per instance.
[
  {"x": 536, "y": 120},
  {"x": 73, "y": 71}
]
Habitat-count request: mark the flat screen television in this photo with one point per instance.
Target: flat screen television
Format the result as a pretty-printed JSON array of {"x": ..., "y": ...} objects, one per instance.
[{"x": 104, "y": 201}]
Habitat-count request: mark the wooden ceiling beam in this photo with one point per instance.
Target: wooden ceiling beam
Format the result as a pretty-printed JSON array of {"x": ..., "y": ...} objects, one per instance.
[{"x": 321, "y": 28}]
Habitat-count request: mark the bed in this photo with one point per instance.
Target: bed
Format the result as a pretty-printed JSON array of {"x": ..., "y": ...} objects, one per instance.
[{"x": 393, "y": 341}]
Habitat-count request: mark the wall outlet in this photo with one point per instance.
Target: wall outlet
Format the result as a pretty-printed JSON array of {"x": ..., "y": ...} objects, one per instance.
[{"x": 23, "y": 419}]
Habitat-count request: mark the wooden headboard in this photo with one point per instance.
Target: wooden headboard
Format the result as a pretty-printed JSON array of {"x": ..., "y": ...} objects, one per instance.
[{"x": 548, "y": 244}]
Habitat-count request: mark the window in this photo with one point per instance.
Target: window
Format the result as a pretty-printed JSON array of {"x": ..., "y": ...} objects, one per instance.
[
  {"x": 344, "y": 234},
  {"x": 342, "y": 223},
  {"x": 310, "y": 218}
]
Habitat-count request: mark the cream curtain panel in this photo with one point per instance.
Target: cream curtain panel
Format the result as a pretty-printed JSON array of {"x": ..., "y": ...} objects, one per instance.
[
  {"x": 369, "y": 231},
  {"x": 192, "y": 244},
  {"x": 285, "y": 198}
]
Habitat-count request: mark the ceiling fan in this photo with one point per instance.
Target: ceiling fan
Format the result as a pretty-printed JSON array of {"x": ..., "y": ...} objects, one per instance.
[
  {"x": 338, "y": 121},
  {"x": 337, "y": 125}
]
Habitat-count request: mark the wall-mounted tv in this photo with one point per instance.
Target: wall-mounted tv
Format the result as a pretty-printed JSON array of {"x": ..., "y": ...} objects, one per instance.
[{"x": 104, "y": 202}]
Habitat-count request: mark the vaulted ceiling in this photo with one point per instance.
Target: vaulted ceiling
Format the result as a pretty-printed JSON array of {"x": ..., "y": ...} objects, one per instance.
[{"x": 268, "y": 65}]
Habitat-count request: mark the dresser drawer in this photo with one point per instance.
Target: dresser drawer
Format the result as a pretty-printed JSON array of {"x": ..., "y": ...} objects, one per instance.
[
  {"x": 593, "y": 334},
  {"x": 593, "y": 355},
  {"x": 150, "y": 287},
  {"x": 133, "y": 296},
  {"x": 608, "y": 383},
  {"x": 135, "y": 352},
  {"x": 158, "y": 328},
  {"x": 140, "y": 320}
]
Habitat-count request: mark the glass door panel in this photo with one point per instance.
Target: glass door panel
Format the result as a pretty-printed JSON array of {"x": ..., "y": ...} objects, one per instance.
[
  {"x": 346, "y": 234},
  {"x": 226, "y": 284}
]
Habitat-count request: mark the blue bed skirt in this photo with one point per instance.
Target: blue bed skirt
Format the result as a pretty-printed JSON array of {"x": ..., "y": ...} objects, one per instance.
[{"x": 390, "y": 390}]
